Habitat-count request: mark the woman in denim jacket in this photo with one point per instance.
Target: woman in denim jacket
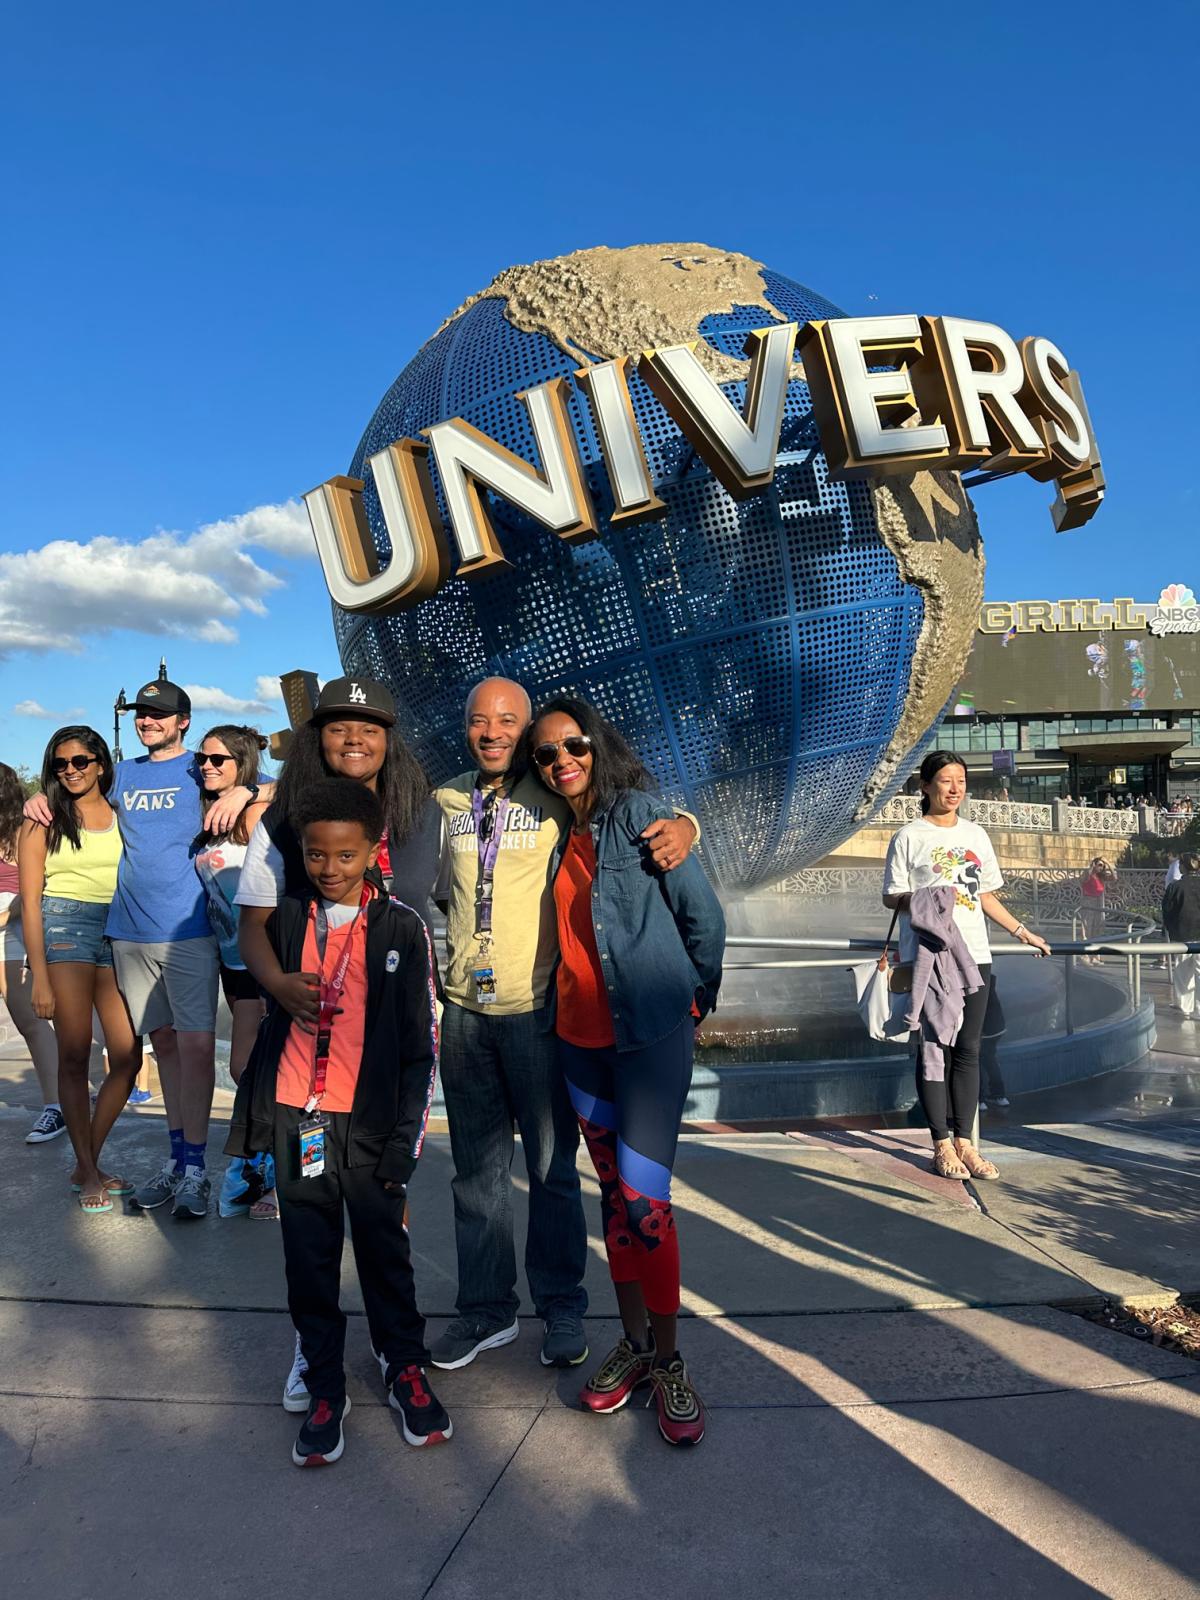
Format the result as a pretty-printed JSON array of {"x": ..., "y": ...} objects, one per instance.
[{"x": 639, "y": 969}]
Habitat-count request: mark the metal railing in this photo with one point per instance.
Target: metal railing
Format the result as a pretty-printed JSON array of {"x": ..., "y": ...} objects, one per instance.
[
  {"x": 1134, "y": 950},
  {"x": 1030, "y": 816}
]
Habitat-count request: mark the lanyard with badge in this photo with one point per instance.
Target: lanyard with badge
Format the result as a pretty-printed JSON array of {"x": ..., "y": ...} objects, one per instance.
[
  {"x": 313, "y": 1124},
  {"x": 489, "y": 811}
]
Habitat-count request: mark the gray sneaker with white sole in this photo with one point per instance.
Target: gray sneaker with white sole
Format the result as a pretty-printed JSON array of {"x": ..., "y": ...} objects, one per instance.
[
  {"x": 467, "y": 1337},
  {"x": 191, "y": 1197}
]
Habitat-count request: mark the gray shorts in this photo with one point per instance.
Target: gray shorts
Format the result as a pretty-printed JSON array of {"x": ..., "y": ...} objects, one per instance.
[{"x": 169, "y": 985}]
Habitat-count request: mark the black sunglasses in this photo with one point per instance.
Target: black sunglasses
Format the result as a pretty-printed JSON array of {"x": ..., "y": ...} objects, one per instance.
[
  {"x": 575, "y": 744},
  {"x": 80, "y": 763},
  {"x": 214, "y": 761}
]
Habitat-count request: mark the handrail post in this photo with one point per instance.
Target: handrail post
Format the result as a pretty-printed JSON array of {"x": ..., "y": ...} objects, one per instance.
[{"x": 1069, "y": 1006}]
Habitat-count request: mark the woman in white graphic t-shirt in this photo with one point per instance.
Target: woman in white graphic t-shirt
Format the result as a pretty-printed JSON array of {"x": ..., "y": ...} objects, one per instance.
[{"x": 944, "y": 849}]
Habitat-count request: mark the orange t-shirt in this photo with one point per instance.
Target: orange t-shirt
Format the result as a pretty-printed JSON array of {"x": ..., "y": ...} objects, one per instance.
[
  {"x": 298, "y": 1063},
  {"x": 584, "y": 1015}
]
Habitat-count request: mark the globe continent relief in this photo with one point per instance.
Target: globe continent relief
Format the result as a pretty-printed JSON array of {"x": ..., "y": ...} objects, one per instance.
[{"x": 779, "y": 663}]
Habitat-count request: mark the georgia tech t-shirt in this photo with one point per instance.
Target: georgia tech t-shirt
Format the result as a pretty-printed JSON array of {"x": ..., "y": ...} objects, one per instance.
[
  {"x": 923, "y": 855},
  {"x": 524, "y": 925},
  {"x": 159, "y": 898}
]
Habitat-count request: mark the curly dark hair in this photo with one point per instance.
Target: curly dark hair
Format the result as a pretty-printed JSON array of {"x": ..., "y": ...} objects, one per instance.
[
  {"x": 64, "y": 824},
  {"x": 12, "y": 799},
  {"x": 245, "y": 745},
  {"x": 616, "y": 767},
  {"x": 402, "y": 787},
  {"x": 341, "y": 800}
]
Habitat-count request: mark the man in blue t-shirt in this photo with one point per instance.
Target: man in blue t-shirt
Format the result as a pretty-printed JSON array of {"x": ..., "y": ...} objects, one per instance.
[{"x": 164, "y": 951}]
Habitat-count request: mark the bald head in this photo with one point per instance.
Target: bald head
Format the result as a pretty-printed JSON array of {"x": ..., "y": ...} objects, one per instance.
[{"x": 498, "y": 712}]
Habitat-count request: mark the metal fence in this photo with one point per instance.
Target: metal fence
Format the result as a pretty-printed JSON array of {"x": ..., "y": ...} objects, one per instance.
[
  {"x": 1044, "y": 894},
  {"x": 1027, "y": 817}
]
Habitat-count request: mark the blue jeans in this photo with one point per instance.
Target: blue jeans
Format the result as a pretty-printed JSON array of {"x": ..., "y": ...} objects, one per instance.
[{"x": 497, "y": 1070}]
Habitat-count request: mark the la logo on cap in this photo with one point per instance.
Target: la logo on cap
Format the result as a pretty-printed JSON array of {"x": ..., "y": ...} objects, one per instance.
[{"x": 357, "y": 696}]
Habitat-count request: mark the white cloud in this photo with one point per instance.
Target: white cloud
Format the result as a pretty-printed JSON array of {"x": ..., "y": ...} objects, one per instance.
[
  {"x": 187, "y": 585},
  {"x": 32, "y": 708},
  {"x": 212, "y": 699},
  {"x": 269, "y": 689}
]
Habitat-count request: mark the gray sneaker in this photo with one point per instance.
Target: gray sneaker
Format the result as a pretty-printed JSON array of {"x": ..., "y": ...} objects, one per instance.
[
  {"x": 156, "y": 1191},
  {"x": 565, "y": 1344},
  {"x": 191, "y": 1197},
  {"x": 465, "y": 1338}
]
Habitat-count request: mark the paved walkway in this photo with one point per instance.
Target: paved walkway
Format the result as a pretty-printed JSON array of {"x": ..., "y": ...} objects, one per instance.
[{"x": 898, "y": 1402}]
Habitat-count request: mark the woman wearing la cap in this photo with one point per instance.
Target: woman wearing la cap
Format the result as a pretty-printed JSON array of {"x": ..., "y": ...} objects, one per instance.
[
  {"x": 351, "y": 734},
  {"x": 944, "y": 850}
]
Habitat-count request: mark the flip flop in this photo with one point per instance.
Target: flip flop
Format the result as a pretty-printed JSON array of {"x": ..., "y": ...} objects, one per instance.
[
  {"x": 122, "y": 1187},
  {"x": 89, "y": 1206}
]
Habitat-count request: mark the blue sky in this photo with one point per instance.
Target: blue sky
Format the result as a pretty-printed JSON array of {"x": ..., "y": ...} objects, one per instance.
[{"x": 229, "y": 227}]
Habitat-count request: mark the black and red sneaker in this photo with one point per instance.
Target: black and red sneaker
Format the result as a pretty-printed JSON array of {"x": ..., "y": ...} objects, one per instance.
[
  {"x": 422, "y": 1415},
  {"x": 321, "y": 1440},
  {"x": 615, "y": 1379}
]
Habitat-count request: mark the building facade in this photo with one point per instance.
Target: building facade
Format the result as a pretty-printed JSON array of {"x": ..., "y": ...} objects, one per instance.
[{"x": 1088, "y": 698}]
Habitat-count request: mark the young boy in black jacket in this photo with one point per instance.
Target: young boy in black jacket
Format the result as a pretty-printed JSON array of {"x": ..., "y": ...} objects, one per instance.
[{"x": 339, "y": 1085}]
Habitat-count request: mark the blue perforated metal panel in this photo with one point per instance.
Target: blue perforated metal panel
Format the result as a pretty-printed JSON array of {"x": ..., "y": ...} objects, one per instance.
[{"x": 757, "y": 654}]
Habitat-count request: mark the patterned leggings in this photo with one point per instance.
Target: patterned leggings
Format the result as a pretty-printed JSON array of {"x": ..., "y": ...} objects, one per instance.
[{"x": 630, "y": 1104}]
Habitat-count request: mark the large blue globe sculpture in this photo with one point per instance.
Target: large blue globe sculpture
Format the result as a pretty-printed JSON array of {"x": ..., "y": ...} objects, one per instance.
[{"x": 775, "y": 661}]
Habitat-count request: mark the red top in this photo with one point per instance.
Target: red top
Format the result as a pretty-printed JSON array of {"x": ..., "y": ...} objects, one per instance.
[
  {"x": 10, "y": 878},
  {"x": 297, "y": 1065},
  {"x": 1093, "y": 886},
  {"x": 584, "y": 1017}
]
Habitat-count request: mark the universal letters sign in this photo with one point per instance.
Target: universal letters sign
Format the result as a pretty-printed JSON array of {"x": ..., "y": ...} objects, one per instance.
[{"x": 890, "y": 395}]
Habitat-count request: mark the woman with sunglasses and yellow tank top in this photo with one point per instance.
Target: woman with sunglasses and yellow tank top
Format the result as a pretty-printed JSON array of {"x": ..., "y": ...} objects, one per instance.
[{"x": 68, "y": 879}]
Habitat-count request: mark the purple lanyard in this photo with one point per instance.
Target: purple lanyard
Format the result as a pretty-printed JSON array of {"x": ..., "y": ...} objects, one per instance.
[{"x": 489, "y": 826}]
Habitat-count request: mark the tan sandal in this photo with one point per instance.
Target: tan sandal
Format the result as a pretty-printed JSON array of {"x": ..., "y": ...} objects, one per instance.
[
  {"x": 946, "y": 1163},
  {"x": 978, "y": 1166}
]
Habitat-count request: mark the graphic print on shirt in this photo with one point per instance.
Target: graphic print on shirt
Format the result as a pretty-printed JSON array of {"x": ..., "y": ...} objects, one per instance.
[
  {"x": 959, "y": 868},
  {"x": 149, "y": 799},
  {"x": 522, "y": 824}
]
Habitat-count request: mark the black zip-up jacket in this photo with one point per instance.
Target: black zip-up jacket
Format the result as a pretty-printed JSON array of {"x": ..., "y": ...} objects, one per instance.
[{"x": 399, "y": 1061}]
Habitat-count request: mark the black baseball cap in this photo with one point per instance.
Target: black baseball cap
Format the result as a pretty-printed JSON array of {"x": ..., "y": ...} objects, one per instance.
[
  {"x": 162, "y": 699},
  {"x": 356, "y": 697}
]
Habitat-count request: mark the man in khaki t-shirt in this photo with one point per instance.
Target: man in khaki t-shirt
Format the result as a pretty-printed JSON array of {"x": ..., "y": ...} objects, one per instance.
[{"x": 498, "y": 1064}]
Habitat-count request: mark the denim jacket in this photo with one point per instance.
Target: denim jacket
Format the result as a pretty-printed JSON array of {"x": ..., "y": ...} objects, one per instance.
[{"x": 660, "y": 935}]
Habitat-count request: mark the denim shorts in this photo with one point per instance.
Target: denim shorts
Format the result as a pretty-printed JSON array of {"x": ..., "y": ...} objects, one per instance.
[{"x": 74, "y": 931}]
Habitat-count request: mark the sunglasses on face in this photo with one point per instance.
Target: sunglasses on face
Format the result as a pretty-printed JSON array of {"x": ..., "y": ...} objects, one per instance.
[
  {"x": 80, "y": 763},
  {"x": 576, "y": 744},
  {"x": 214, "y": 761}
]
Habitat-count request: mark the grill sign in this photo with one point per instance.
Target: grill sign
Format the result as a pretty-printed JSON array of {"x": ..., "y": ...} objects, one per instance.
[{"x": 890, "y": 395}]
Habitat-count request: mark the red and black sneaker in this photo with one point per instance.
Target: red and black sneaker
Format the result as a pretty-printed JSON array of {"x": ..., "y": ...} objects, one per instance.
[
  {"x": 423, "y": 1417},
  {"x": 680, "y": 1412},
  {"x": 615, "y": 1379},
  {"x": 321, "y": 1440}
]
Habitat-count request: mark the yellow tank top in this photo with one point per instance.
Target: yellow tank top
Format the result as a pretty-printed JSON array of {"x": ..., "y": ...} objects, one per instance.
[{"x": 89, "y": 873}]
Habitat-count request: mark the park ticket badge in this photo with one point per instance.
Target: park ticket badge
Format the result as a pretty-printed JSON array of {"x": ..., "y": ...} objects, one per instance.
[
  {"x": 485, "y": 986},
  {"x": 312, "y": 1148}
]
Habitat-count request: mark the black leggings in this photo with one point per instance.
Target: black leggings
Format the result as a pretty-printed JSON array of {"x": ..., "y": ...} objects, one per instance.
[{"x": 950, "y": 1106}]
